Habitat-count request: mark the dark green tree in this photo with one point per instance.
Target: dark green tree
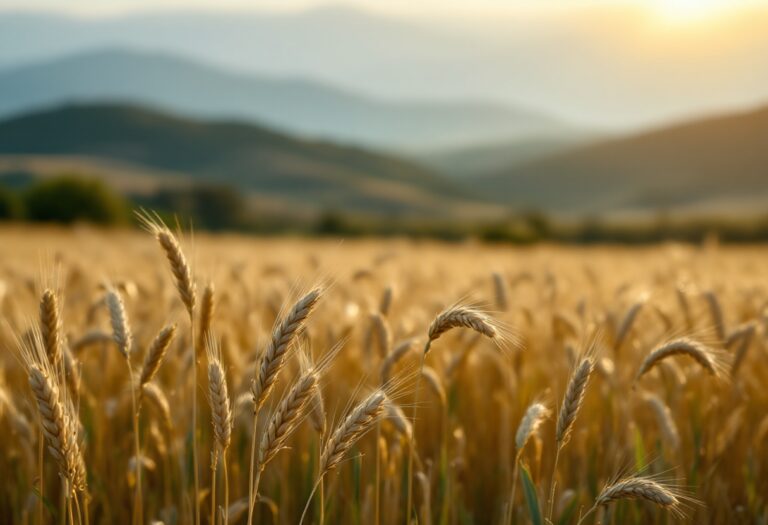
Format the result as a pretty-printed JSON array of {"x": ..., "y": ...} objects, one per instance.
[
  {"x": 10, "y": 205},
  {"x": 71, "y": 198}
]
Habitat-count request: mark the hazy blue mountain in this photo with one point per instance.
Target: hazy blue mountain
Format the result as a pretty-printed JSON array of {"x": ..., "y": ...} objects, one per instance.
[
  {"x": 612, "y": 65},
  {"x": 711, "y": 164},
  {"x": 293, "y": 105},
  {"x": 313, "y": 175}
]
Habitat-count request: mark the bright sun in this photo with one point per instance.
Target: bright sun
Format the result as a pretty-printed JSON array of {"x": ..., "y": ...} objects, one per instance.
[{"x": 689, "y": 10}]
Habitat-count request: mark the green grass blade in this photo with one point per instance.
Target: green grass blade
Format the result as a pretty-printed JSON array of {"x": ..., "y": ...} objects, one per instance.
[{"x": 531, "y": 498}]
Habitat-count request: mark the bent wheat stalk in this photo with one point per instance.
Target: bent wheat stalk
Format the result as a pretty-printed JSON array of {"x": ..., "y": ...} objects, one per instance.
[
  {"x": 457, "y": 316},
  {"x": 699, "y": 352},
  {"x": 636, "y": 487}
]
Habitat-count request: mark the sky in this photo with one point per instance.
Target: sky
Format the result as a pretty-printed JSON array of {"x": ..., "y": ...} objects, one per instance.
[
  {"x": 602, "y": 63},
  {"x": 673, "y": 8}
]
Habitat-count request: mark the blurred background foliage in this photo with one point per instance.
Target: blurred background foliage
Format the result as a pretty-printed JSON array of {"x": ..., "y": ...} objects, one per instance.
[{"x": 71, "y": 198}]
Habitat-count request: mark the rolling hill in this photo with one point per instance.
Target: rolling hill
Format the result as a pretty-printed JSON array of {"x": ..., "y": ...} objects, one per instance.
[
  {"x": 475, "y": 161},
  {"x": 313, "y": 175},
  {"x": 296, "y": 106},
  {"x": 712, "y": 164}
]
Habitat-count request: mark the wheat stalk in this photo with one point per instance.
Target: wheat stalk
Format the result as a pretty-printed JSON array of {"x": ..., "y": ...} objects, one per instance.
[
  {"x": 534, "y": 416},
  {"x": 393, "y": 358},
  {"x": 386, "y": 300},
  {"x": 569, "y": 409},
  {"x": 218, "y": 394},
  {"x": 627, "y": 323},
  {"x": 159, "y": 402},
  {"x": 221, "y": 419},
  {"x": 287, "y": 417},
  {"x": 572, "y": 401},
  {"x": 397, "y": 417},
  {"x": 156, "y": 353},
  {"x": 460, "y": 316},
  {"x": 205, "y": 320},
  {"x": 50, "y": 327},
  {"x": 699, "y": 352},
  {"x": 716, "y": 311},
  {"x": 56, "y": 426},
  {"x": 634, "y": 488},
  {"x": 285, "y": 332},
  {"x": 500, "y": 291},
  {"x": 180, "y": 268},
  {"x": 664, "y": 419},
  {"x": 359, "y": 421},
  {"x": 317, "y": 412},
  {"x": 435, "y": 384},
  {"x": 121, "y": 330}
]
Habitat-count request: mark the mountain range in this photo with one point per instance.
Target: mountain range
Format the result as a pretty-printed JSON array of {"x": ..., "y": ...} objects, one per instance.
[
  {"x": 714, "y": 164},
  {"x": 299, "y": 107},
  {"x": 105, "y": 140},
  {"x": 717, "y": 164}
]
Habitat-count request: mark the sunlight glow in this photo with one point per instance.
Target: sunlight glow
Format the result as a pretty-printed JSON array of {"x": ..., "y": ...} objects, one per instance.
[{"x": 693, "y": 10}]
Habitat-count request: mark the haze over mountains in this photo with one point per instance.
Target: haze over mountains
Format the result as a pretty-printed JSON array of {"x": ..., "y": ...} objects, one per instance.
[
  {"x": 612, "y": 66},
  {"x": 296, "y": 106}
]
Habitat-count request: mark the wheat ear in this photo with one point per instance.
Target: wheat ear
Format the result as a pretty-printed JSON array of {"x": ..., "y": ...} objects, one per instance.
[
  {"x": 635, "y": 487},
  {"x": 56, "y": 426},
  {"x": 287, "y": 417},
  {"x": 221, "y": 407},
  {"x": 359, "y": 421},
  {"x": 664, "y": 419},
  {"x": 699, "y": 352},
  {"x": 284, "y": 333},
  {"x": 121, "y": 330},
  {"x": 461, "y": 316},
  {"x": 572, "y": 401},
  {"x": 156, "y": 353},
  {"x": 534, "y": 416},
  {"x": 205, "y": 317},
  {"x": 221, "y": 419},
  {"x": 627, "y": 323},
  {"x": 50, "y": 327},
  {"x": 394, "y": 357}
]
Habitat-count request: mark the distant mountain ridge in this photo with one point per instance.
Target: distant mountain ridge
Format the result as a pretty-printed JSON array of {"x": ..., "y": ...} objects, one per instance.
[
  {"x": 296, "y": 106},
  {"x": 314, "y": 175},
  {"x": 718, "y": 163}
]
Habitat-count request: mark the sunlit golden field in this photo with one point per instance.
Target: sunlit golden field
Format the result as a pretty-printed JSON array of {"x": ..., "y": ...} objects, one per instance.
[{"x": 556, "y": 321}]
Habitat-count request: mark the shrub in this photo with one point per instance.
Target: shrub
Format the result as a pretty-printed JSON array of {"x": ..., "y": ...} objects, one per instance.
[
  {"x": 10, "y": 205},
  {"x": 70, "y": 198}
]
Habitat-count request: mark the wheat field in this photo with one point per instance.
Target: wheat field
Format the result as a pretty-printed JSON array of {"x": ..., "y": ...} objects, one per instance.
[{"x": 159, "y": 377}]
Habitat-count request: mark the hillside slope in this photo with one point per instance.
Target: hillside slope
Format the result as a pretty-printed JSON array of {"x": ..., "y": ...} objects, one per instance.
[
  {"x": 718, "y": 163},
  {"x": 317, "y": 175}
]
